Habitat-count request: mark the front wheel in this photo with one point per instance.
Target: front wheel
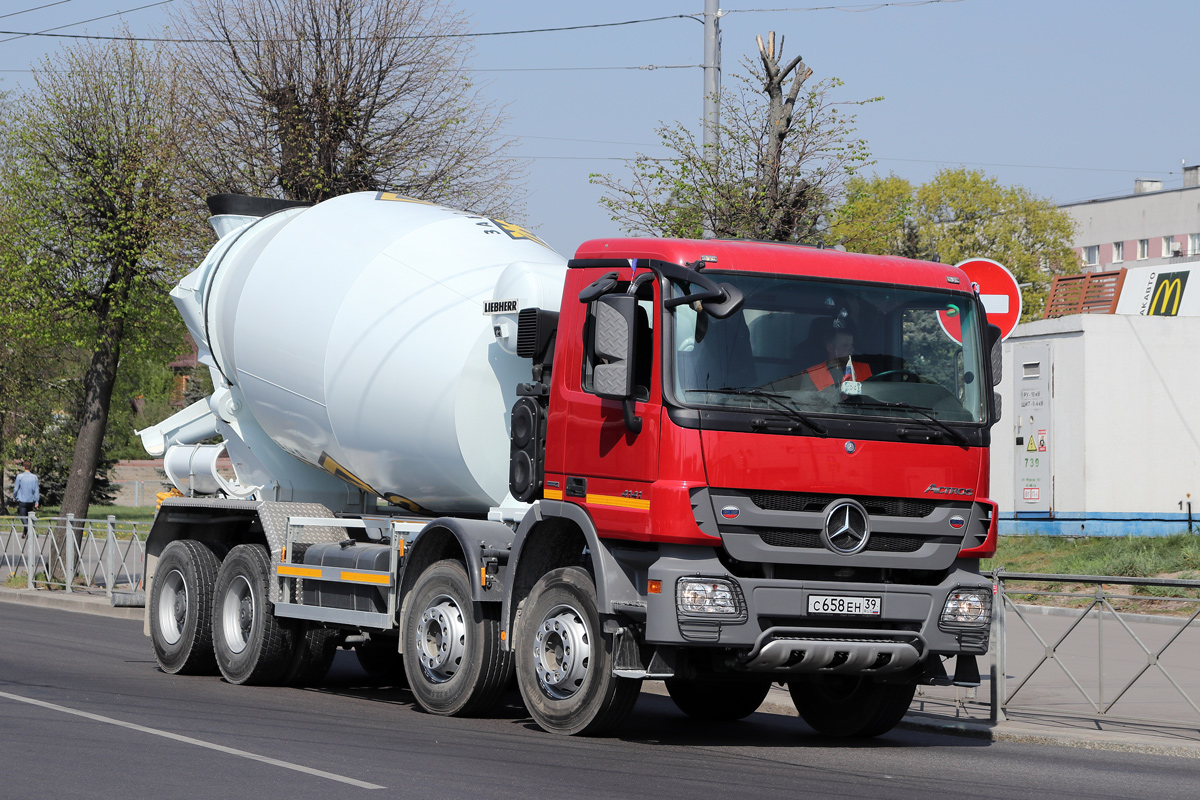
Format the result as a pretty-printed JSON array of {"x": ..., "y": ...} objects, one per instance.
[
  {"x": 452, "y": 652},
  {"x": 718, "y": 701},
  {"x": 850, "y": 705},
  {"x": 564, "y": 663}
]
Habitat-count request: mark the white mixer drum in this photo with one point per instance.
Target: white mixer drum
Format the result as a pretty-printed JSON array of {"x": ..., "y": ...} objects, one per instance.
[{"x": 354, "y": 330}]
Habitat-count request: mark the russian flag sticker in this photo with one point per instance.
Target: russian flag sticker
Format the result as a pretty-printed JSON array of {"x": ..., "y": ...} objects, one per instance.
[
  {"x": 957, "y": 522},
  {"x": 730, "y": 512}
]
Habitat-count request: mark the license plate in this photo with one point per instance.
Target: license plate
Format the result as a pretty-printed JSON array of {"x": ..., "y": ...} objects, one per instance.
[{"x": 843, "y": 604}]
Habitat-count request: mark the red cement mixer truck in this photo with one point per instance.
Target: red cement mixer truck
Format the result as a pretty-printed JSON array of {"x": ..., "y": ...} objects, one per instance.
[{"x": 719, "y": 464}]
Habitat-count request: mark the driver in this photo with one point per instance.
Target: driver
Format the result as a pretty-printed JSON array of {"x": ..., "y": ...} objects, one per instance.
[{"x": 838, "y": 340}]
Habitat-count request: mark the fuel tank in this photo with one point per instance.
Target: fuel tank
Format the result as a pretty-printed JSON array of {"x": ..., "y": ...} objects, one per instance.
[{"x": 361, "y": 336}]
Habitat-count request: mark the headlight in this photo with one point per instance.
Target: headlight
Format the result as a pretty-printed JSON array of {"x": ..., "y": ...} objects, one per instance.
[
  {"x": 967, "y": 608},
  {"x": 707, "y": 596}
]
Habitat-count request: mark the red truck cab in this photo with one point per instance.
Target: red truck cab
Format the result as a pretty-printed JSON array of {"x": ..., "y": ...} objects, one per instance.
[{"x": 783, "y": 453}]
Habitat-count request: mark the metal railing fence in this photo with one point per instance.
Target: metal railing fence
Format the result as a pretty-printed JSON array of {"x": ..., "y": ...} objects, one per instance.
[
  {"x": 94, "y": 554},
  {"x": 1138, "y": 658}
]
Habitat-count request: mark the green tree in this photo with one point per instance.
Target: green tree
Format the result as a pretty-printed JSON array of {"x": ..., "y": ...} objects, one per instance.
[
  {"x": 785, "y": 152},
  {"x": 309, "y": 99},
  {"x": 961, "y": 214},
  {"x": 96, "y": 223}
]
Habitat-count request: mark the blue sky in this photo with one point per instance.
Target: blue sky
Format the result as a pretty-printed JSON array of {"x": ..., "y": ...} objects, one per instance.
[{"x": 1073, "y": 100}]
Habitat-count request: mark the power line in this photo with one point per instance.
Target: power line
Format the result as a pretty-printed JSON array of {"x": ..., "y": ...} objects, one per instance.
[
  {"x": 35, "y": 8},
  {"x": 46, "y": 33},
  {"x": 853, "y": 9},
  {"x": 590, "y": 141},
  {"x": 1028, "y": 166},
  {"x": 647, "y": 67}
]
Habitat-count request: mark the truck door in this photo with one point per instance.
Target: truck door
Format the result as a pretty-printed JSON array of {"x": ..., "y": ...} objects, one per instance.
[{"x": 607, "y": 467}]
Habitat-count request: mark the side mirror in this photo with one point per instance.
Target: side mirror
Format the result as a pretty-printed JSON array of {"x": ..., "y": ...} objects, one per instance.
[
  {"x": 993, "y": 335},
  {"x": 612, "y": 344},
  {"x": 613, "y": 348}
]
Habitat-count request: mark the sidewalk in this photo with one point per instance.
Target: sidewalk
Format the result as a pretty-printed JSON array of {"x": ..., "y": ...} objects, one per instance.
[{"x": 947, "y": 710}]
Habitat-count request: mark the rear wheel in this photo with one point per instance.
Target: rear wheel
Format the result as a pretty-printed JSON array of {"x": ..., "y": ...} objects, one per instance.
[
  {"x": 181, "y": 599},
  {"x": 564, "y": 663},
  {"x": 850, "y": 705},
  {"x": 714, "y": 700},
  {"x": 452, "y": 652},
  {"x": 313, "y": 649},
  {"x": 251, "y": 645}
]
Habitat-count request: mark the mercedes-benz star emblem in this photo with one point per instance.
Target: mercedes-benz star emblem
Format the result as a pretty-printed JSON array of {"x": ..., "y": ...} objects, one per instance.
[{"x": 846, "y": 527}]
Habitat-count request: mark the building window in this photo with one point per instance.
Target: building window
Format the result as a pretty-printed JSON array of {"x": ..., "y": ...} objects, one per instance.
[
  {"x": 1143, "y": 249},
  {"x": 1168, "y": 247},
  {"x": 1194, "y": 244},
  {"x": 1118, "y": 252},
  {"x": 1091, "y": 255}
]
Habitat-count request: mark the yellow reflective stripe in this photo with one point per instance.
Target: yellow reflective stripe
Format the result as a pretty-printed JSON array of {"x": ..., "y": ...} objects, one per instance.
[
  {"x": 619, "y": 502},
  {"x": 367, "y": 577},
  {"x": 553, "y": 494},
  {"x": 298, "y": 572}
]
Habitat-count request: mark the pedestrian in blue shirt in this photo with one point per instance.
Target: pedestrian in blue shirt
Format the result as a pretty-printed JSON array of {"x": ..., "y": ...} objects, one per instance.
[{"x": 26, "y": 494}]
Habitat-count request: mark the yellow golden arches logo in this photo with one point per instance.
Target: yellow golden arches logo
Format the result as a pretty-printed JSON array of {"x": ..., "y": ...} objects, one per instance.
[{"x": 1168, "y": 294}]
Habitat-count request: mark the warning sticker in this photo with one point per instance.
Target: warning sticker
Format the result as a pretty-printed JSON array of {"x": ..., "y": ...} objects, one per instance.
[
  {"x": 1032, "y": 446},
  {"x": 1041, "y": 441}
]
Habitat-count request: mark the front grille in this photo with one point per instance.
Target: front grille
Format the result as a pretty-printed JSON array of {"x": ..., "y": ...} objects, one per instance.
[
  {"x": 805, "y": 501},
  {"x": 879, "y": 542},
  {"x": 791, "y": 538}
]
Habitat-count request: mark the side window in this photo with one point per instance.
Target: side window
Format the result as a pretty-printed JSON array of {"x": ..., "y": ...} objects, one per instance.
[
  {"x": 929, "y": 351},
  {"x": 643, "y": 367}
]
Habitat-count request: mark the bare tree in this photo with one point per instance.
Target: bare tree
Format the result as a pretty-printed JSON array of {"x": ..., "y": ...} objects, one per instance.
[
  {"x": 309, "y": 99},
  {"x": 785, "y": 152}
]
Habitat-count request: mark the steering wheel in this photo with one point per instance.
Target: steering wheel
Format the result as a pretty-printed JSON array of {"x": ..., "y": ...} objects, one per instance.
[{"x": 905, "y": 376}]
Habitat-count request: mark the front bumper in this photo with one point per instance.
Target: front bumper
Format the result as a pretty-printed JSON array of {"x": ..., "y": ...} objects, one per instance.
[{"x": 775, "y": 633}]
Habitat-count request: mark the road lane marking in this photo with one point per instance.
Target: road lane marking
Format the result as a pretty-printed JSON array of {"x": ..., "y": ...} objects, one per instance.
[{"x": 197, "y": 742}]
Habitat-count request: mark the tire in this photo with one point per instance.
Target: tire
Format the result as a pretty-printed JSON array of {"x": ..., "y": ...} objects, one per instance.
[
  {"x": 313, "y": 649},
  {"x": 452, "y": 655},
  {"x": 252, "y": 647},
  {"x": 381, "y": 659},
  {"x": 181, "y": 601},
  {"x": 564, "y": 662},
  {"x": 850, "y": 705},
  {"x": 718, "y": 701}
]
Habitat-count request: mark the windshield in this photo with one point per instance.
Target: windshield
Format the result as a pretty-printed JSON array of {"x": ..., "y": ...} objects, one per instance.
[{"x": 833, "y": 349}]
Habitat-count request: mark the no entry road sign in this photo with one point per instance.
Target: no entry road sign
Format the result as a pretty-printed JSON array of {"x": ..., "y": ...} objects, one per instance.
[{"x": 998, "y": 290}]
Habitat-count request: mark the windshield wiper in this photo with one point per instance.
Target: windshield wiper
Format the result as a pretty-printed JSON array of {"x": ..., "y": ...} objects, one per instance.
[
  {"x": 924, "y": 412},
  {"x": 777, "y": 399}
]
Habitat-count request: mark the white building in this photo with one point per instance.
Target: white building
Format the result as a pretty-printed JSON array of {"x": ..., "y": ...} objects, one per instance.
[{"x": 1150, "y": 228}]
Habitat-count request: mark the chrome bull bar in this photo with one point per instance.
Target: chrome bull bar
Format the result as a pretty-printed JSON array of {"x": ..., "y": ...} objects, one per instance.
[{"x": 835, "y": 650}]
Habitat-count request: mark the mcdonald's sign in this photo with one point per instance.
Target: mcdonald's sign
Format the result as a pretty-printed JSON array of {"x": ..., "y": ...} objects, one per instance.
[{"x": 1167, "y": 294}]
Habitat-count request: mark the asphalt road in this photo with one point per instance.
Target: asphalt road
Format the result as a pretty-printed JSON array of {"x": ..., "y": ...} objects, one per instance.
[{"x": 84, "y": 712}]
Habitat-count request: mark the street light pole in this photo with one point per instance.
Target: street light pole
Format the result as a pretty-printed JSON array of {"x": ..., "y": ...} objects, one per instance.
[{"x": 712, "y": 90}]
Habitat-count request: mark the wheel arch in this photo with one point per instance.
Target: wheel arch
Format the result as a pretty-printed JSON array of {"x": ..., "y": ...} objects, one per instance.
[
  {"x": 468, "y": 541},
  {"x": 554, "y": 534}
]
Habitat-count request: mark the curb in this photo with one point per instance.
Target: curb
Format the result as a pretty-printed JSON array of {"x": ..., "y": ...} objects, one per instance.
[
  {"x": 1075, "y": 613},
  {"x": 97, "y": 605}
]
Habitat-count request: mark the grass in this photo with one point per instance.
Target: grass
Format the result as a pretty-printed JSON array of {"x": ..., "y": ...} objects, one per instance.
[
  {"x": 1176, "y": 556},
  {"x": 122, "y": 513}
]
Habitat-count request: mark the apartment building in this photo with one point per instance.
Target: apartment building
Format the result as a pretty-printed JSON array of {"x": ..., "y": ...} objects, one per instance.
[{"x": 1150, "y": 228}]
